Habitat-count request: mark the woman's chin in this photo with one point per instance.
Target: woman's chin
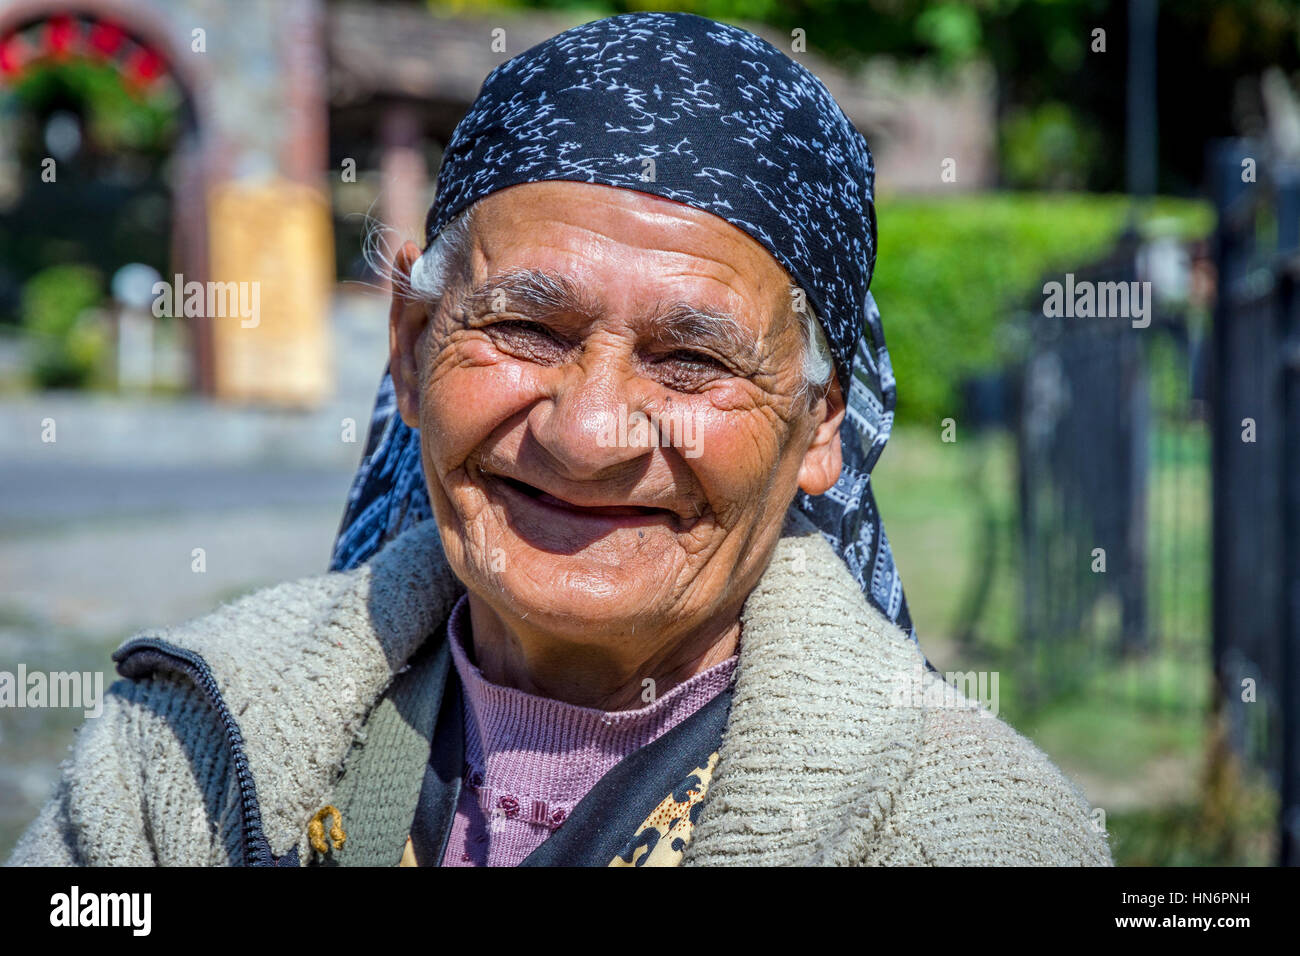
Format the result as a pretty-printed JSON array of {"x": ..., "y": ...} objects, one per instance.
[{"x": 591, "y": 599}]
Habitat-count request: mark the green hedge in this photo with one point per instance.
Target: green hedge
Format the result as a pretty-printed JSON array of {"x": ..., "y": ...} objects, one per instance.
[{"x": 949, "y": 269}]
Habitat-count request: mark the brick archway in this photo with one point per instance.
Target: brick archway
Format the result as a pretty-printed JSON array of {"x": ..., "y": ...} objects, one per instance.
[{"x": 196, "y": 154}]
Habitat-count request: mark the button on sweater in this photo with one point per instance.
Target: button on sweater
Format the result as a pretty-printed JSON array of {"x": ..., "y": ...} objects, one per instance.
[{"x": 530, "y": 759}]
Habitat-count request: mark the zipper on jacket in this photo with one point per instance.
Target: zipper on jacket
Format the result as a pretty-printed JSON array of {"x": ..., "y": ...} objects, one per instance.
[{"x": 143, "y": 656}]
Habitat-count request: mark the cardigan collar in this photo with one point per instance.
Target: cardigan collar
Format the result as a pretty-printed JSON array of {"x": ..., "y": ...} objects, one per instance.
[
  {"x": 300, "y": 665},
  {"x": 816, "y": 722}
]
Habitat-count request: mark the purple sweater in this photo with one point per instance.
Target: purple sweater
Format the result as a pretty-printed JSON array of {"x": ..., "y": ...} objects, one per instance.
[{"x": 529, "y": 759}]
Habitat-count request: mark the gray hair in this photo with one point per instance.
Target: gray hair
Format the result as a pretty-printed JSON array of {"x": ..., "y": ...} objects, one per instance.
[{"x": 431, "y": 273}]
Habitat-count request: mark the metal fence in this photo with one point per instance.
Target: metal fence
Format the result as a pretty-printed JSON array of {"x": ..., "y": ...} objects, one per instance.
[
  {"x": 1256, "y": 453},
  {"x": 1173, "y": 452},
  {"x": 1113, "y": 475}
]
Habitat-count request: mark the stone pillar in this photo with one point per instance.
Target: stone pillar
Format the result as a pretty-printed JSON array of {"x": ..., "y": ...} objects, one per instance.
[{"x": 404, "y": 176}]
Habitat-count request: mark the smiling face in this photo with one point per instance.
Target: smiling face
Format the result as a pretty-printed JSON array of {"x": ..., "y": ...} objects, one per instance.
[{"x": 558, "y": 505}]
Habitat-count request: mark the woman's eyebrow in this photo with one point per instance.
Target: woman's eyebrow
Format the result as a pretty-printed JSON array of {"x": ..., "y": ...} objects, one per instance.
[
  {"x": 686, "y": 325},
  {"x": 531, "y": 292}
]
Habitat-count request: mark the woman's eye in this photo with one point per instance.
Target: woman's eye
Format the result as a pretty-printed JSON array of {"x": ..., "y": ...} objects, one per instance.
[
  {"x": 531, "y": 340},
  {"x": 690, "y": 359},
  {"x": 520, "y": 327},
  {"x": 687, "y": 371}
]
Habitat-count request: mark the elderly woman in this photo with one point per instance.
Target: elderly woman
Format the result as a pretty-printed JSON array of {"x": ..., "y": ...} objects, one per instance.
[{"x": 638, "y": 383}]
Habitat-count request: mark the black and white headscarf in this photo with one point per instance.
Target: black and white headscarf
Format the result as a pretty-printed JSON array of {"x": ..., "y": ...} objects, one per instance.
[{"x": 714, "y": 117}]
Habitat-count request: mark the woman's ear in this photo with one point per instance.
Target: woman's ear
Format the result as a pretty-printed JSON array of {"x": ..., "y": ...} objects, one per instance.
[
  {"x": 822, "y": 462},
  {"x": 408, "y": 318}
]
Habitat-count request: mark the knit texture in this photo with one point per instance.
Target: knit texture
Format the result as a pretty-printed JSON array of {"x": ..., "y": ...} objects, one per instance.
[
  {"x": 530, "y": 759},
  {"x": 823, "y": 761}
]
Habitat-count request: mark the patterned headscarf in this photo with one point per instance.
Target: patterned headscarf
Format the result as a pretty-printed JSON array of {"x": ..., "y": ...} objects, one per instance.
[{"x": 714, "y": 117}]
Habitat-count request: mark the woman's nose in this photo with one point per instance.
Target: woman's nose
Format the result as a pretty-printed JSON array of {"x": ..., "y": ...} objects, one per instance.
[{"x": 585, "y": 425}]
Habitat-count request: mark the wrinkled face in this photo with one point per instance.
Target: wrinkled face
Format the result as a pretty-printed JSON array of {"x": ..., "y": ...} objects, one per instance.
[{"x": 609, "y": 409}]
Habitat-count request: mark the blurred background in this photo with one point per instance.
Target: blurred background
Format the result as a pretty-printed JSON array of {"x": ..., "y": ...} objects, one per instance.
[{"x": 1106, "y": 516}]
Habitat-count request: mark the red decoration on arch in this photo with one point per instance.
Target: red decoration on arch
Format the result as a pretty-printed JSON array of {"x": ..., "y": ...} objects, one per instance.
[
  {"x": 144, "y": 66},
  {"x": 106, "y": 39},
  {"x": 61, "y": 36},
  {"x": 12, "y": 55},
  {"x": 64, "y": 36}
]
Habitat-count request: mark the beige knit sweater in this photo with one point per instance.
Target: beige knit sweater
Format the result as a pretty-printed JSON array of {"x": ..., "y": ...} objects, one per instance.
[{"x": 836, "y": 751}]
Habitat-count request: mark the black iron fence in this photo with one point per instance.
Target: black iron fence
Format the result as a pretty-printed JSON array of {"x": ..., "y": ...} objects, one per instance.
[
  {"x": 1159, "y": 472},
  {"x": 1256, "y": 454},
  {"x": 1113, "y": 475}
]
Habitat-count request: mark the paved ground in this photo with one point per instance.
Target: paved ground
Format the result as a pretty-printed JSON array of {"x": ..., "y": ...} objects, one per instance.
[
  {"x": 88, "y": 556},
  {"x": 97, "y": 529}
]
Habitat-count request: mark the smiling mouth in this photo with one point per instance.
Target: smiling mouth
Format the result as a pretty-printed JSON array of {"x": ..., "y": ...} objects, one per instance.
[{"x": 613, "y": 514}]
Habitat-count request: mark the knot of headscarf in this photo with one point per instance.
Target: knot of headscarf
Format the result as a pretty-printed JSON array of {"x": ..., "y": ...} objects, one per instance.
[{"x": 715, "y": 117}]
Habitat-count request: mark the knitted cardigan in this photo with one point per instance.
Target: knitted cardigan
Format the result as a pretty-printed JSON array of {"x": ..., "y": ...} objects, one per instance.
[{"x": 840, "y": 748}]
